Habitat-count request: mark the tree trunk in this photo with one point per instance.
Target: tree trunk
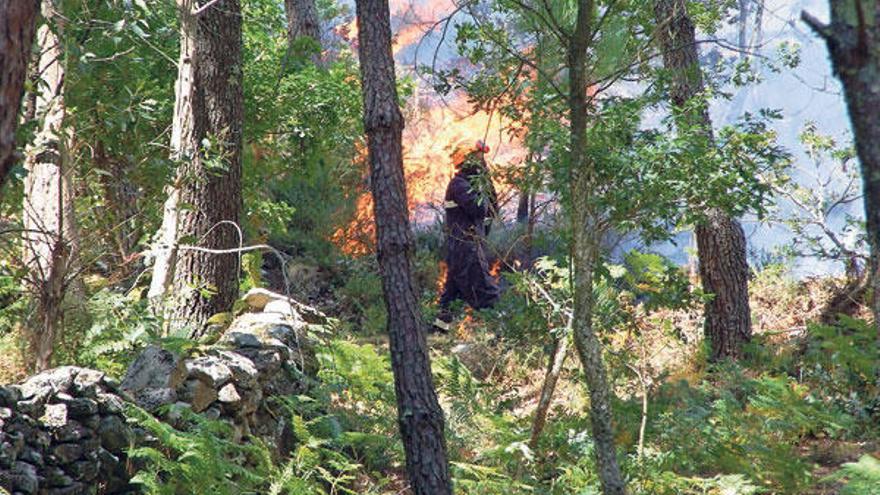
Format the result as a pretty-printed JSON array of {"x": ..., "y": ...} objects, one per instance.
[
  {"x": 302, "y": 21},
  {"x": 120, "y": 202},
  {"x": 18, "y": 20},
  {"x": 420, "y": 417},
  {"x": 206, "y": 140},
  {"x": 50, "y": 236},
  {"x": 586, "y": 236},
  {"x": 557, "y": 359},
  {"x": 853, "y": 40},
  {"x": 721, "y": 242}
]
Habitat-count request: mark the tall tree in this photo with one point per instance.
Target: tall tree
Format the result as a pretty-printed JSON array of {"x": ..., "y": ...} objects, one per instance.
[
  {"x": 721, "y": 242},
  {"x": 586, "y": 239},
  {"x": 50, "y": 238},
  {"x": 853, "y": 39},
  {"x": 420, "y": 417},
  {"x": 18, "y": 20},
  {"x": 204, "y": 203}
]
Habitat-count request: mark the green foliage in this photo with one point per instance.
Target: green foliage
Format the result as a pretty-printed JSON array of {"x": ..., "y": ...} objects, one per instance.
[
  {"x": 841, "y": 362},
  {"x": 361, "y": 299},
  {"x": 862, "y": 477},
  {"x": 741, "y": 425},
  {"x": 357, "y": 386},
  {"x": 121, "y": 325},
  {"x": 201, "y": 457},
  {"x": 13, "y": 303}
]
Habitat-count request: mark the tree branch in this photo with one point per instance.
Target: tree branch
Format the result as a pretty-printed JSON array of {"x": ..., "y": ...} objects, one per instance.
[{"x": 823, "y": 30}]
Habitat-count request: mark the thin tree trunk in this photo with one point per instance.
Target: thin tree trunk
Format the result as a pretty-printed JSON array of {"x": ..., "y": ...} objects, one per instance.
[
  {"x": 18, "y": 20},
  {"x": 206, "y": 140},
  {"x": 120, "y": 201},
  {"x": 557, "y": 359},
  {"x": 50, "y": 240},
  {"x": 420, "y": 417},
  {"x": 586, "y": 234},
  {"x": 853, "y": 40},
  {"x": 721, "y": 242}
]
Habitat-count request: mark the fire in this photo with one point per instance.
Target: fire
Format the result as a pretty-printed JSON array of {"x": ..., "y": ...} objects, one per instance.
[
  {"x": 432, "y": 126},
  {"x": 495, "y": 269},
  {"x": 441, "y": 278}
]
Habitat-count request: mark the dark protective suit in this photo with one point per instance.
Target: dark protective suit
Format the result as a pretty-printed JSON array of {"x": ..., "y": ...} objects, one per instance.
[{"x": 468, "y": 275}]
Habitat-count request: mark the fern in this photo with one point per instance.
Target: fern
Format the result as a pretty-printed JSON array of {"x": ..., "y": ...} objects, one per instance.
[{"x": 861, "y": 478}]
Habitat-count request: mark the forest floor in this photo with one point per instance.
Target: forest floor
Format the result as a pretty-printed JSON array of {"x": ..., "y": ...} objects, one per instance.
[{"x": 505, "y": 378}]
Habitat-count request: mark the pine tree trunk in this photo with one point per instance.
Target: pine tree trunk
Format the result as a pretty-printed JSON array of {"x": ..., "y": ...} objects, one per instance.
[
  {"x": 853, "y": 40},
  {"x": 420, "y": 417},
  {"x": 302, "y": 20},
  {"x": 721, "y": 242},
  {"x": 18, "y": 20},
  {"x": 207, "y": 141},
  {"x": 586, "y": 237},
  {"x": 50, "y": 239}
]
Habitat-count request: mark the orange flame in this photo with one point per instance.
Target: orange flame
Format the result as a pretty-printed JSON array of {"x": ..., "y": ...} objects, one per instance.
[
  {"x": 441, "y": 278},
  {"x": 495, "y": 269}
]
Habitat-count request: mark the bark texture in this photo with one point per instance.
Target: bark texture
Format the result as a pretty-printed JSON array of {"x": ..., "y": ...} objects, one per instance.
[
  {"x": 586, "y": 237},
  {"x": 721, "y": 242},
  {"x": 18, "y": 20},
  {"x": 207, "y": 141},
  {"x": 420, "y": 417},
  {"x": 302, "y": 20},
  {"x": 554, "y": 369},
  {"x": 50, "y": 239},
  {"x": 853, "y": 40}
]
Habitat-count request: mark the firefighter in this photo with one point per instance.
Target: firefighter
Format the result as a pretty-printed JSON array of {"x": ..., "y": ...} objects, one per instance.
[{"x": 471, "y": 204}]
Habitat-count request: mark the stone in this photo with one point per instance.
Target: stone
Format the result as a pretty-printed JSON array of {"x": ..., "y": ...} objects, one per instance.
[
  {"x": 212, "y": 413},
  {"x": 23, "y": 478},
  {"x": 55, "y": 477},
  {"x": 228, "y": 395},
  {"x": 110, "y": 404},
  {"x": 154, "y": 398},
  {"x": 81, "y": 407},
  {"x": 75, "y": 488},
  {"x": 31, "y": 456},
  {"x": 39, "y": 439},
  {"x": 87, "y": 382},
  {"x": 84, "y": 470},
  {"x": 71, "y": 432},
  {"x": 5, "y": 413},
  {"x": 33, "y": 406},
  {"x": 280, "y": 306},
  {"x": 49, "y": 382},
  {"x": 91, "y": 422},
  {"x": 244, "y": 373},
  {"x": 66, "y": 453},
  {"x": 115, "y": 435},
  {"x": 241, "y": 340},
  {"x": 154, "y": 368},
  {"x": 258, "y": 298},
  {"x": 199, "y": 394},
  {"x": 8, "y": 455},
  {"x": 267, "y": 361},
  {"x": 55, "y": 416},
  {"x": 9, "y": 396},
  {"x": 210, "y": 370}
]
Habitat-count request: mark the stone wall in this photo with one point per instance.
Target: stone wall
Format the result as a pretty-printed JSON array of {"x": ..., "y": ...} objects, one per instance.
[{"x": 64, "y": 431}]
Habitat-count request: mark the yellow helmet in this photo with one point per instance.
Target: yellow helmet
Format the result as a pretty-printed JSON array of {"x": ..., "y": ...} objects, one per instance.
[{"x": 465, "y": 147}]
